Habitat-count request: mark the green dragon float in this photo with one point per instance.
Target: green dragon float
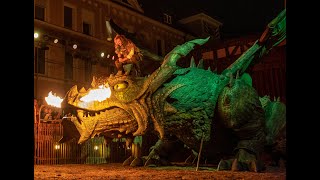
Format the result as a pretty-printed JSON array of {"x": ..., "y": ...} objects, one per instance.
[{"x": 192, "y": 105}]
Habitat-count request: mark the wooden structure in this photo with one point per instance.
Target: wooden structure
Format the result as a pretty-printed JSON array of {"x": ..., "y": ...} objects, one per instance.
[{"x": 268, "y": 76}]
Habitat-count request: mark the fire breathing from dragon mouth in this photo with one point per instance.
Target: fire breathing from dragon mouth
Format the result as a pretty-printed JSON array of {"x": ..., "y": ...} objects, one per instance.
[
  {"x": 53, "y": 100},
  {"x": 100, "y": 94}
]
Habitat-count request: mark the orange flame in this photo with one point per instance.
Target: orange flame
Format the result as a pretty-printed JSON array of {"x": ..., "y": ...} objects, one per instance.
[
  {"x": 53, "y": 100},
  {"x": 99, "y": 94}
]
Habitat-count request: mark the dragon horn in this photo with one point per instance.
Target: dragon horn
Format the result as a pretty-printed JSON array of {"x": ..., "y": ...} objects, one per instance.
[
  {"x": 94, "y": 82},
  {"x": 168, "y": 67},
  {"x": 192, "y": 63},
  {"x": 200, "y": 64}
]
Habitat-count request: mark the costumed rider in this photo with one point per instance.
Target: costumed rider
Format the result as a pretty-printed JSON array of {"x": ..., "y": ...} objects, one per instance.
[{"x": 128, "y": 53}]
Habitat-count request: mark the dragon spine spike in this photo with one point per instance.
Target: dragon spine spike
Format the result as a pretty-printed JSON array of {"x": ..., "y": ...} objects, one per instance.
[
  {"x": 237, "y": 76},
  {"x": 94, "y": 83},
  {"x": 192, "y": 63},
  {"x": 83, "y": 90},
  {"x": 73, "y": 91},
  {"x": 231, "y": 81},
  {"x": 200, "y": 64}
]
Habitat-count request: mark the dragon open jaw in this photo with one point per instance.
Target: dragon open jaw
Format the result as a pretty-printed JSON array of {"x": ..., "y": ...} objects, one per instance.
[
  {"x": 113, "y": 122},
  {"x": 122, "y": 122},
  {"x": 105, "y": 116}
]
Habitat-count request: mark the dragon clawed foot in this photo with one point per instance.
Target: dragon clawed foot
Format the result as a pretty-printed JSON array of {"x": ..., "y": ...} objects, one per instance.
[
  {"x": 154, "y": 160},
  {"x": 245, "y": 161},
  {"x": 133, "y": 161},
  {"x": 145, "y": 161},
  {"x": 191, "y": 159}
]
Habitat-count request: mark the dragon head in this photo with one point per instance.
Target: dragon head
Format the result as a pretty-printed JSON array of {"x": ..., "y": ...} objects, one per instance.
[{"x": 118, "y": 106}]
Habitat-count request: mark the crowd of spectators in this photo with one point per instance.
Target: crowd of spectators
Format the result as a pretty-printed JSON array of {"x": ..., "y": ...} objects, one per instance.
[{"x": 43, "y": 112}]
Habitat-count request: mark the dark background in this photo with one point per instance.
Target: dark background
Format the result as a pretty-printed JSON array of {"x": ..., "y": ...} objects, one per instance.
[{"x": 239, "y": 17}]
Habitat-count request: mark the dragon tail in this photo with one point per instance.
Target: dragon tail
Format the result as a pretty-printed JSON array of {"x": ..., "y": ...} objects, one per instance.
[{"x": 274, "y": 34}]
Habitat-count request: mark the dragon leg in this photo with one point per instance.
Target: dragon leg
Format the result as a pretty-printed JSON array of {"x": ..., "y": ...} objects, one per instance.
[
  {"x": 240, "y": 109},
  {"x": 164, "y": 151},
  {"x": 135, "y": 159}
]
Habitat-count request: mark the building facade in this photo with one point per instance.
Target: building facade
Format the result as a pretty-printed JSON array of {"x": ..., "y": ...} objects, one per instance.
[{"x": 74, "y": 41}]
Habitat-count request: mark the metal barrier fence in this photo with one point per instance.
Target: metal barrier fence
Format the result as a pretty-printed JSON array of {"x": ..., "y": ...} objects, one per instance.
[{"x": 47, "y": 150}]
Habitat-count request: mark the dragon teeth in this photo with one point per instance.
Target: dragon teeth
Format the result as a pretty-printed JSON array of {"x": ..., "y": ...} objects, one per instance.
[
  {"x": 137, "y": 132},
  {"x": 128, "y": 131}
]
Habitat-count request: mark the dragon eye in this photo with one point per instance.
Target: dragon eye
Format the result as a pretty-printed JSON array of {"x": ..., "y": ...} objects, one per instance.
[{"x": 120, "y": 86}]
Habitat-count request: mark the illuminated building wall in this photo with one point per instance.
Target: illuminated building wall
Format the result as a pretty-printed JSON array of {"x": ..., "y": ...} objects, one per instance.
[{"x": 61, "y": 24}]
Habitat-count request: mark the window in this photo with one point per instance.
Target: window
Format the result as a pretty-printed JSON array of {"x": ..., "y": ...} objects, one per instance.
[
  {"x": 67, "y": 17},
  {"x": 207, "y": 28},
  {"x": 88, "y": 22},
  {"x": 39, "y": 59},
  {"x": 167, "y": 18},
  {"x": 86, "y": 28},
  {"x": 39, "y": 12},
  {"x": 68, "y": 66}
]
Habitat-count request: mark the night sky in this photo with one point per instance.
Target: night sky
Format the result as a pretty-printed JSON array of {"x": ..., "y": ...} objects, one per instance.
[{"x": 238, "y": 16}]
